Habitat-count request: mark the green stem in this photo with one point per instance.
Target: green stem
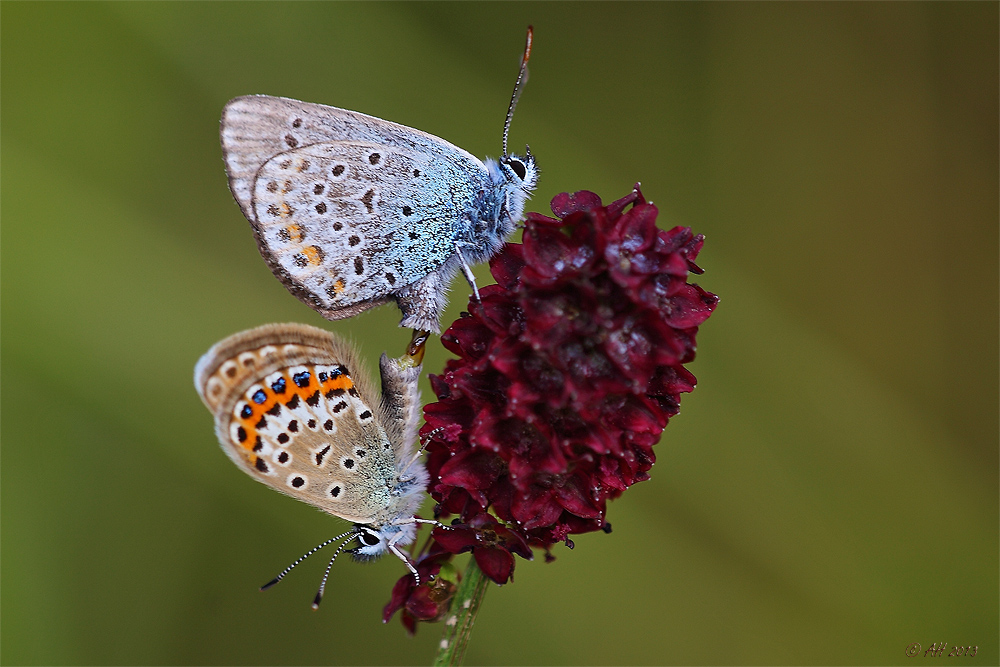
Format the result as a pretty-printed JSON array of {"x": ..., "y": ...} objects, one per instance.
[{"x": 458, "y": 625}]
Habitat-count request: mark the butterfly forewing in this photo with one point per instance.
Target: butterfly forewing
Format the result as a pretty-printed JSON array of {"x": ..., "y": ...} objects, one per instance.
[
  {"x": 255, "y": 128},
  {"x": 294, "y": 410}
]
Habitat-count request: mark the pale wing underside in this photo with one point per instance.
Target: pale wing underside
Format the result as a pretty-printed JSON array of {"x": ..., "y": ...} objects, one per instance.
[
  {"x": 376, "y": 225},
  {"x": 350, "y": 221},
  {"x": 255, "y": 128},
  {"x": 293, "y": 410}
]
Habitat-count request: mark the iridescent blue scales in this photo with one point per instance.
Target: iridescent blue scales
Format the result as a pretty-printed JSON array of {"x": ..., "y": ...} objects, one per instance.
[
  {"x": 350, "y": 211},
  {"x": 294, "y": 410}
]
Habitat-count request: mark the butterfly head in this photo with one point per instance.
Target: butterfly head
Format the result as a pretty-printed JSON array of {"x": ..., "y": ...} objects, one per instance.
[
  {"x": 520, "y": 171},
  {"x": 374, "y": 541},
  {"x": 512, "y": 180}
]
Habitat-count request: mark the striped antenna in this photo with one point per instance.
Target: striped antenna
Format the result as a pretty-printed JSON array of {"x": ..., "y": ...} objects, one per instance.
[
  {"x": 522, "y": 78},
  {"x": 326, "y": 575},
  {"x": 350, "y": 534}
]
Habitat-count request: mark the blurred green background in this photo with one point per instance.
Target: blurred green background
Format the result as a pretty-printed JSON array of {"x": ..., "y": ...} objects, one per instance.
[{"x": 828, "y": 495}]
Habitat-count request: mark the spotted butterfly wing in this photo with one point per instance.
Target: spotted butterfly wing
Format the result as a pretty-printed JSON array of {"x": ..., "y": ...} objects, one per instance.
[
  {"x": 351, "y": 211},
  {"x": 294, "y": 410}
]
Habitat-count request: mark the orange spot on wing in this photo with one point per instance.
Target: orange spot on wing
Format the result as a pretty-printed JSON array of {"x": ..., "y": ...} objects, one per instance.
[
  {"x": 294, "y": 233},
  {"x": 312, "y": 255},
  {"x": 339, "y": 382},
  {"x": 249, "y": 443},
  {"x": 249, "y": 424},
  {"x": 285, "y": 210}
]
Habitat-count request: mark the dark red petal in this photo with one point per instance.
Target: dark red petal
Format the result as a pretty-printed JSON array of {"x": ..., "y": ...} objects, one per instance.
[
  {"x": 468, "y": 338},
  {"x": 536, "y": 507},
  {"x": 439, "y": 386},
  {"x": 518, "y": 545},
  {"x": 501, "y": 495},
  {"x": 481, "y": 384},
  {"x": 422, "y": 604},
  {"x": 564, "y": 203},
  {"x": 400, "y": 592},
  {"x": 671, "y": 380},
  {"x": 507, "y": 265},
  {"x": 636, "y": 230},
  {"x": 554, "y": 255},
  {"x": 498, "y": 311},
  {"x": 456, "y": 539},
  {"x": 574, "y": 496},
  {"x": 616, "y": 208},
  {"x": 691, "y": 307},
  {"x": 449, "y": 418},
  {"x": 454, "y": 501},
  {"x": 472, "y": 470},
  {"x": 497, "y": 564},
  {"x": 530, "y": 446},
  {"x": 676, "y": 239},
  {"x": 633, "y": 348},
  {"x": 633, "y": 414},
  {"x": 410, "y": 623},
  {"x": 539, "y": 219}
]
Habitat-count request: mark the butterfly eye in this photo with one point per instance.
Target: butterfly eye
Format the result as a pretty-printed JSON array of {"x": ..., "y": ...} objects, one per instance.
[
  {"x": 368, "y": 539},
  {"x": 518, "y": 167}
]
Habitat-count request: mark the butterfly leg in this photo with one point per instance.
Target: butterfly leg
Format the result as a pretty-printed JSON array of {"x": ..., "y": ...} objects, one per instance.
[
  {"x": 431, "y": 522},
  {"x": 427, "y": 437},
  {"x": 391, "y": 544},
  {"x": 467, "y": 272}
]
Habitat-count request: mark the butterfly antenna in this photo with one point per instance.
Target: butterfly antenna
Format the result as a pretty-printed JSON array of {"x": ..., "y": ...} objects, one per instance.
[
  {"x": 522, "y": 78},
  {"x": 329, "y": 566},
  {"x": 288, "y": 569}
]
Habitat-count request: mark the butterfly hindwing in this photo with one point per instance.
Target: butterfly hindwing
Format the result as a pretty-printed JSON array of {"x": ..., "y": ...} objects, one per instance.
[
  {"x": 344, "y": 223},
  {"x": 294, "y": 410},
  {"x": 393, "y": 206}
]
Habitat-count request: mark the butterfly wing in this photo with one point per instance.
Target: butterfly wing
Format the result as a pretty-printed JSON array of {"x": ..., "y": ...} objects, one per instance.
[
  {"x": 294, "y": 410},
  {"x": 349, "y": 210},
  {"x": 346, "y": 223}
]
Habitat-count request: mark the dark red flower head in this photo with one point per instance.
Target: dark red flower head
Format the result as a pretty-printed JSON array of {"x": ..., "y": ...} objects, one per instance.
[{"x": 567, "y": 372}]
